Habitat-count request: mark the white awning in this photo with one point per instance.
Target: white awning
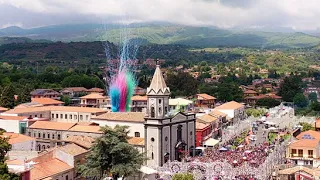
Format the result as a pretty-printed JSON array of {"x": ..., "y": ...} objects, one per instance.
[
  {"x": 147, "y": 170},
  {"x": 211, "y": 142}
]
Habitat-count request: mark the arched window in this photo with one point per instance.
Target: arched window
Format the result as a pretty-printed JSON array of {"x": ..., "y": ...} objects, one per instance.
[
  {"x": 67, "y": 178},
  {"x": 48, "y": 136},
  {"x": 43, "y": 147},
  {"x": 39, "y": 147},
  {"x": 43, "y": 135},
  {"x": 39, "y": 135},
  {"x": 152, "y": 112},
  {"x": 160, "y": 110},
  {"x": 48, "y": 146},
  {"x": 152, "y": 156},
  {"x": 136, "y": 134},
  {"x": 59, "y": 137}
]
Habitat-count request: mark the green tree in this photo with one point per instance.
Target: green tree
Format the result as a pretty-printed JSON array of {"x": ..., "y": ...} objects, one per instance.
[
  {"x": 7, "y": 96},
  {"x": 291, "y": 86},
  {"x": 300, "y": 100},
  {"x": 313, "y": 97},
  {"x": 112, "y": 154},
  {"x": 315, "y": 106},
  {"x": 267, "y": 102},
  {"x": 229, "y": 92},
  {"x": 24, "y": 95},
  {"x": 66, "y": 100},
  {"x": 306, "y": 126},
  {"x": 183, "y": 176},
  {"x": 182, "y": 84}
]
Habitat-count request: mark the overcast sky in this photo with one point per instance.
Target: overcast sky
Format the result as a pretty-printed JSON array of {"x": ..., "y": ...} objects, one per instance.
[{"x": 296, "y": 14}]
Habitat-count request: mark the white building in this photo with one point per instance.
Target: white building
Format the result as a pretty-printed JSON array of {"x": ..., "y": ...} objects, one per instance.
[
  {"x": 234, "y": 110},
  {"x": 20, "y": 142}
]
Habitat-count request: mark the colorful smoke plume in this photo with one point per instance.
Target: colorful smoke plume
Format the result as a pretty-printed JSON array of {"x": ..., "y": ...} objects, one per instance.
[{"x": 121, "y": 90}]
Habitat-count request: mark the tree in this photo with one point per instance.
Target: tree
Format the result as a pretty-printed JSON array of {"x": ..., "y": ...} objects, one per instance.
[
  {"x": 315, "y": 106},
  {"x": 66, "y": 100},
  {"x": 7, "y": 97},
  {"x": 300, "y": 100},
  {"x": 291, "y": 86},
  {"x": 267, "y": 102},
  {"x": 4, "y": 172},
  {"x": 183, "y": 176},
  {"x": 306, "y": 126},
  {"x": 313, "y": 97},
  {"x": 112, "y": 154},
  {"x": 182, "y": 84},
  {"x": 255, "y": 112},
  {"x": 229, "y": 92},
  {"x": 24, "y": 95}
]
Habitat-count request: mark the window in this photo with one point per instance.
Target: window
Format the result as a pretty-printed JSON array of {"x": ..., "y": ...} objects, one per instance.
[
  {"x": 152, "y": 156},
  {"x": 39, "y": 147},
  {"x": 67, "y": 178},
  {"x": 75, "y": 117},
  {"x": 61, "y": 116},
  {"x": 43, "y": 147},
  {"x": 310, "y": 153},
  {"x": 35, "y": 115},
  {"x": 29, "y": 133},
  {"x": 152, "y": 112},
  {"x": 179, "y": 133},
  {"x": 160, "y": 110},
  {"x": 59, "y": 137},
  {"x": 57, "y": 116},
  {"x": 152, "y": 139},
  {"x": 81, "y": 117},
  {"x": 52, "y": 136},
  {"x": 136, "y": 134},
  {"x": 34, "y": 134},
  {"x": 159, "y": 101},
  {"x": 40, "y": 115},
  {"x": 48, "y": 146},
  {"x": 48, "y": 136},
  {"x": 66, "y": 116},
  {"x": 43, "y": 135},
  {"x": 39, "y": 135},
  {"x": 166, "y": 138},
  {"x": 70, "y": 116},
  {"x": 87, "y": 117},
  {"x": 165, "y": 110},
  {"x": 293, "y": 152},
  {"x": 300, "y": 152},
  {"x": 52, "y": 116}
]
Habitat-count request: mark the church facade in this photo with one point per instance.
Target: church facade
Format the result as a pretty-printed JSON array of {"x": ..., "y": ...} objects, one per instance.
[{"x": 167, "y": 137}]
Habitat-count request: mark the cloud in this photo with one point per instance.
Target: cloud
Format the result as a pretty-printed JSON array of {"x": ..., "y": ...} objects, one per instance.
[{"x": 297, "y": 14}]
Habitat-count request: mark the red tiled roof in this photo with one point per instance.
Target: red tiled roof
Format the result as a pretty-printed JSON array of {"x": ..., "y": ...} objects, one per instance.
[
  {"x": 250, "y": 92},
  {"x": 16, "y": 138},
  {"x": 206, "y": 96},
  {"x": 63, "y": 126},
  {"x": 230, "y": 105},
  {"x": 96, "y": 90},
  {"x": 47, "y": 101}
]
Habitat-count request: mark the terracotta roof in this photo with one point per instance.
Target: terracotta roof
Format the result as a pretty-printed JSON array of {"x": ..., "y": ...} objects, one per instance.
[
  {"x": 139, "y": 98},
  {"x": 250, "y": 92},
  {"x": 83, "y": 141},
  {"x": 3, "y": 108},
  {"x": 314, "y": 134},
  {"x": 136, "y": 141},
  {"x": 310, "y": 143},
  {"x": 73, "y": 149},
  {"x": 122, "y": 116},
  {"x": 264, "y": 96},
  {"x": 288, "y": 171},
  {"x": 49, "y": 168},
  {"x": 206, "y": 96},
  {"x": 28, "y": 105},
  {"x": 43, "y": 92},
  {"x": 46, "y": 101},
  {"x": 218, "y": 113},
  {"x": 14, "y": 162},
  {"x": 201, "y": 125},
  {"x": 63, "y": 126},
  {"x": 207, "y": 118},
  {"x": 19, "y": 118},
  {"x": 55, "y": 108},
  {"x": 230, "y": 105},
  {"x": 95, "y": 90},
  {"x": 93, "y": 96},
  {"x": 16, "y": 138},
  {"x": 86, "y": 128},
  {"x": 75, "y": 89}
]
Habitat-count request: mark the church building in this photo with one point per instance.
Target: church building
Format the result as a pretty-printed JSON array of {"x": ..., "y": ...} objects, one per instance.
[{"x": 166, "y": 136}]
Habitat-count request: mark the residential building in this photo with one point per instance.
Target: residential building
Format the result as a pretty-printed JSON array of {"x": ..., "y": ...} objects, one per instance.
[
  {"x": 49, "y": 134},
  {"x": 180, "y": 104},
  {"x": 300, "y": 173},
  {"x": 203, "y": 130},
  {"x": 234, "y": 111},
  {"x": 60, "y": 163},
  {"x": 139, "y": 91},
  {"x": 57, "y": 113},
  {"x": 252, "y": 100},
  {"x": 214, "y": 122},
  {"x": 19, "y": 167},
  {"x": 47, "y": 101},
  {"x": 72, "y": 92},
  {"x": 306, "y": 149},
  {"x": 17, "y": 124},
  {"x": 139, "y": 103},
  {"x": 205, "y": 100},
  {"x": 96, "y": 90},
  {"x": 94, "y": 100},
  {"x": 45, "y": 93},
  {"x": 250, "y": 93},
  {"x": 312, "y": 89},
  {"x": 20, "y": 142}
]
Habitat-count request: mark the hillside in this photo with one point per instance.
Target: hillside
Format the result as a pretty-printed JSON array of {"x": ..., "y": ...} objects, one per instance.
[
  {"x": 166, "y": 34},
  {"x": 9, "y": 40}
]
